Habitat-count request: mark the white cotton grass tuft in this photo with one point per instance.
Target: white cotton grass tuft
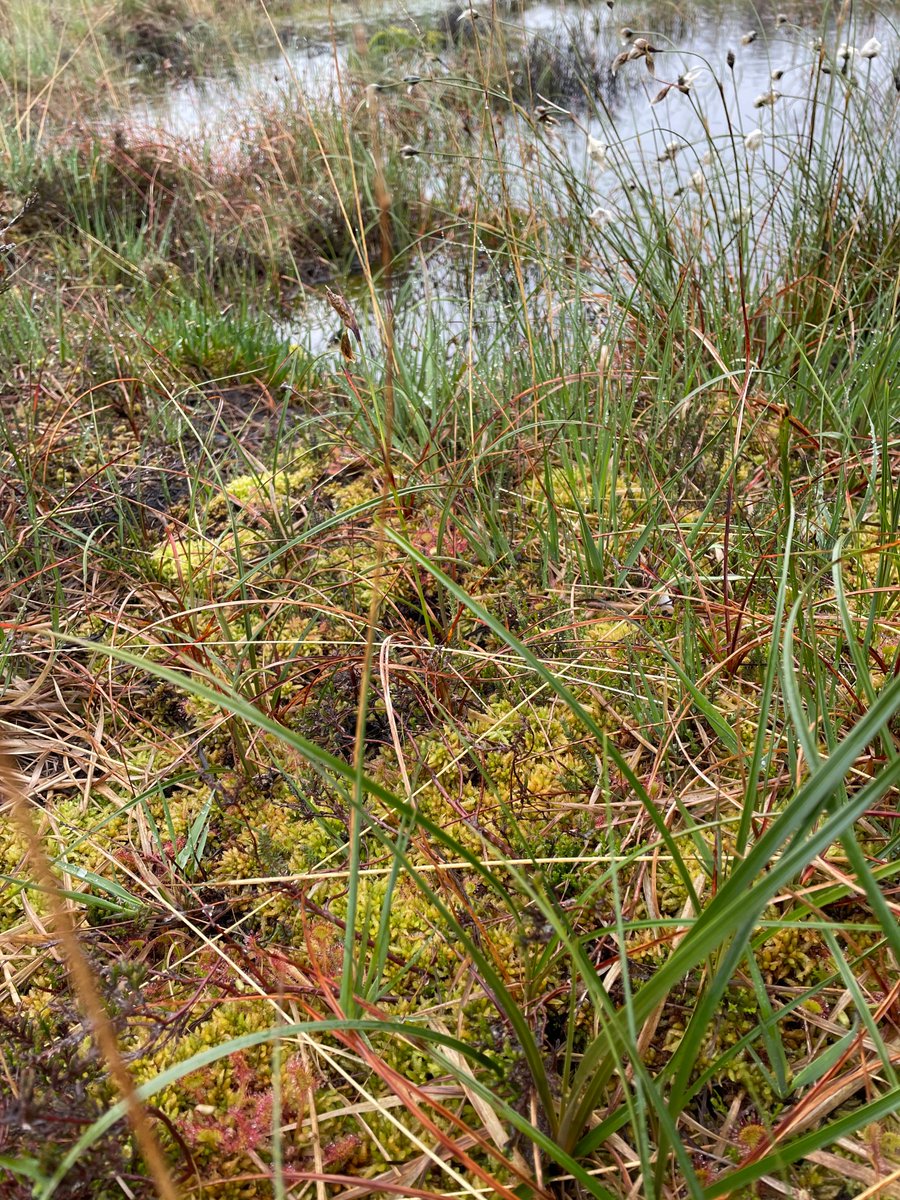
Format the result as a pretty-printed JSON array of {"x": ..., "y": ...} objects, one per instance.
[
  {"x": 753, "y": 140},
  {"x": 777, "y": 74},
  {"x": 598, "y": 151},
  {"x": 698, "y": 181},
  {"x": 683, "y": 84},
  {"x": 766, "y": 98},
  {"x": 669, "y": 152},
  {"x": 871, "y": 49},
  {"x": 689, "y": 78},
  {"x": 748, "y": 38},
  {"x": 601, "y": 216}
]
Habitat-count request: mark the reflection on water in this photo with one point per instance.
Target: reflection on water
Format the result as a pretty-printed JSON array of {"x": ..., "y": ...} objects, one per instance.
[
  {"x": 687, "y": 37},
  {"x": 723, "y": 75},
  {"x": 442, "y": 308}
]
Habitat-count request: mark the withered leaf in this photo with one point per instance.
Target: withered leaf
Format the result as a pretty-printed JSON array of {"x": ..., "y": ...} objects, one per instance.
[{"x": 347, "y": 347}]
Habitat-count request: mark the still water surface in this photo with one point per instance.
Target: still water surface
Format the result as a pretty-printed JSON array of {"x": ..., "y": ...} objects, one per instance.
[
  {"x": 694, "y": 39},
  {"x": 692, "y": 36}
]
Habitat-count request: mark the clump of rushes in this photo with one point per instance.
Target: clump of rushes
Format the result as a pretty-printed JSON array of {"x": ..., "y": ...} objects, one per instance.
[{"x": 449, "y": 612}]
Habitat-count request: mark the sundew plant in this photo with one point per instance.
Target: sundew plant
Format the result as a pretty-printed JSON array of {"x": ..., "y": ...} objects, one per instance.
[{"x": 450, "y": 600}]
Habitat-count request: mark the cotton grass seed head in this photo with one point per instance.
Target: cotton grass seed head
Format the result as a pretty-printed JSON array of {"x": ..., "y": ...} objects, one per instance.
[
  {"x": 871, "y": 49},
  {"x": 544, "y": 115},
  {"x": 689, "y": 78},
  {"x": 597, "y": 151},
  {"x": 344, "y": 311},
  {"x": 601, "y": 216},
  {"x": 753, "y": 140},
  {"x": 639, "y": 48},
  {"x": 408, "y": 151},
  {"x": 669, "y": 152},
  {"x": 766, "y": 99},
  {"x": 748, "y": 38}
]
